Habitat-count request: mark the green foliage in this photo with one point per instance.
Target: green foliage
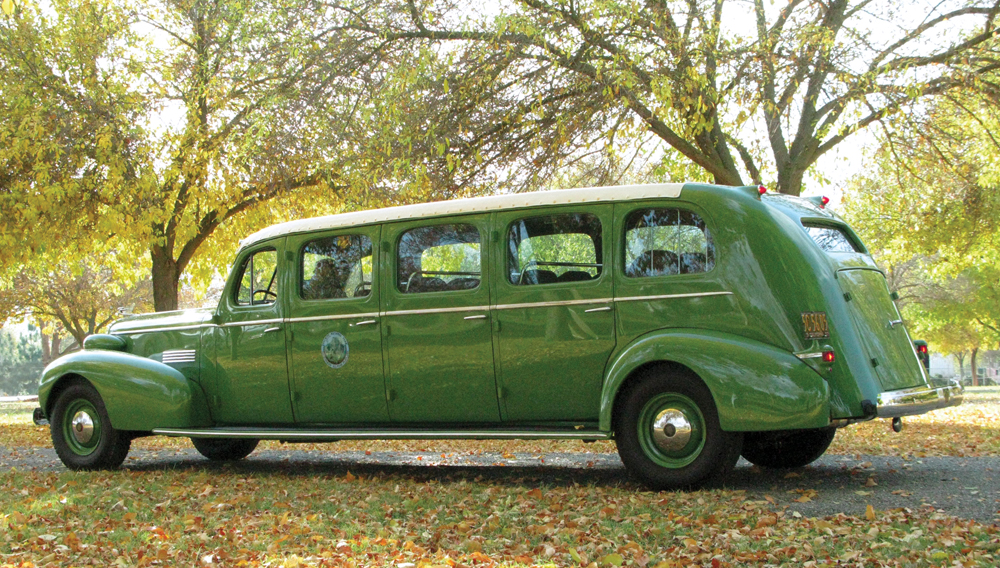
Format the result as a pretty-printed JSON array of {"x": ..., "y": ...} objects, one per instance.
[
  {"x": 20, "y": 362},
  {"x": 930, "y": 208},
  {"x": 79, "y": 298},
  {"x": 551, "y": 81}
]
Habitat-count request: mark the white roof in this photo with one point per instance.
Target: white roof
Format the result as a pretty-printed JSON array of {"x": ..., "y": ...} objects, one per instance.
[{"x": 469, "y": 205}]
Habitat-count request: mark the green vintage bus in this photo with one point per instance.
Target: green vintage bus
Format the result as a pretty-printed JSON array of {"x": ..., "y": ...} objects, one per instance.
[{"x": 690, "y": 323}]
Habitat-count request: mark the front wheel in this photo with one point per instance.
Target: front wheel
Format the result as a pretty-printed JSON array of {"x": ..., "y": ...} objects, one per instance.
[
  {"x": 786, "y": 449},
  {"x": 82, "y": 433},
  {"x": 668, "y": 434},
  {"x": 224, "y": 449}
]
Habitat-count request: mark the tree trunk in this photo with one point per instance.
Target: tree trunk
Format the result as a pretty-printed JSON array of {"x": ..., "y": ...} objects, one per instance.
[
  {"x": 972, "y": 363},
  {"x": 165, "y": 275},
  {"x": 961, "y": 364},
  {"x": 790, "y": 179}
]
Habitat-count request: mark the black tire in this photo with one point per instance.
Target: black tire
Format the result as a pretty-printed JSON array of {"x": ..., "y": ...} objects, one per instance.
[
  {"x": 670, "y": 457},
  {"x": 787, "y": 448},
  {"x": 82, "y": 433},
  {"x": 225, "y": 449}
]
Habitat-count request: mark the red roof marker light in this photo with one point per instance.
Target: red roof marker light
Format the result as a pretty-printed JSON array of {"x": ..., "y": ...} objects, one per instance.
[
  {"x": 829, "y": 356},
  {"x": 824, "y": 201},
  {"x": 761, "y": 189}
]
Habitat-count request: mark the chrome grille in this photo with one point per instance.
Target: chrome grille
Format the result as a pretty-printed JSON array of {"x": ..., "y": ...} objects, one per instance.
[{"x": 179, "y": 356}]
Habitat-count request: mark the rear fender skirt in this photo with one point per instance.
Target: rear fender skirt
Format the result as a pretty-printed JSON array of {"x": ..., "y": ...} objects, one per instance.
[
  {"x": 139, "y": 393},
  {"x": 755, "y": 386}
]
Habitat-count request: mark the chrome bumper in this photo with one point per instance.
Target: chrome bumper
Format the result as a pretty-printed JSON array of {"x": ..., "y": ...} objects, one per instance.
[{"x": 918, "y": 400}]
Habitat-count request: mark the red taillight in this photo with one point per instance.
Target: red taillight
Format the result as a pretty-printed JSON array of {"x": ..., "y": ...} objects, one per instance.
[
  {"x": 761, "y": 189},
  {"x": 829, "y": 356},
  {"x": 922, "y": 349},
  {"x": 824, "y": 201}
]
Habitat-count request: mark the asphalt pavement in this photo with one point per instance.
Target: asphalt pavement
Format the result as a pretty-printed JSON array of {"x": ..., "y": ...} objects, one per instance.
[{"x": 963, "y": 487}]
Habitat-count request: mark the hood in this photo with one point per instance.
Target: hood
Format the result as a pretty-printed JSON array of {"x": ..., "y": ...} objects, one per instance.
[{"x": 168, "y": 320}]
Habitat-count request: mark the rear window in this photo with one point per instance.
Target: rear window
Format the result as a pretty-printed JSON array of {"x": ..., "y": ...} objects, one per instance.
[{"x": 832, "y": 239}]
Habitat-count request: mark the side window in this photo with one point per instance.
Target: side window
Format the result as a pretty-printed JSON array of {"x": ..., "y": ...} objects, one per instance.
[
  {"x": 661, "y": 242},
  {"x": 336, "y": 267},
  {"x": 554, "y": 248},
  {"x": 259, "y": 279},
  {"x": 439, "y": 258}
]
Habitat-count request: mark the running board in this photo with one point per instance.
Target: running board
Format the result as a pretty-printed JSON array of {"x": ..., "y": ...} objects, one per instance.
[{"x": 334, "y": 435}]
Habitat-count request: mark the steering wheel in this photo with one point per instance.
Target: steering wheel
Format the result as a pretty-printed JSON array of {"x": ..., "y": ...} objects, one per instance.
[{"x": 266, "y": 293}]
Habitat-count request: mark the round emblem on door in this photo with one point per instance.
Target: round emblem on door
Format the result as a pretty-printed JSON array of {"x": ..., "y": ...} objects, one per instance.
[{"x": 335, "y": 349}]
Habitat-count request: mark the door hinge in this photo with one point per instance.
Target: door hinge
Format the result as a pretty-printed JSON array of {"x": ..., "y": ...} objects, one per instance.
[
  {"x": 390, "y": 395},
  {"x": 847, "y": 296},
  {"x": 874, "y": 362}
]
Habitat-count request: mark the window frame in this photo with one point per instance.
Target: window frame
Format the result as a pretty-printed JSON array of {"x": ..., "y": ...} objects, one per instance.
[
  {"x": 685, "y": 207},
  {"x": 395, "y": 251},
  {"x": 806, "y": 223},
  {"x": 600, "y": 246},
  {"x": 247, "y": 262},
  {"x": 300, "y": 273}
]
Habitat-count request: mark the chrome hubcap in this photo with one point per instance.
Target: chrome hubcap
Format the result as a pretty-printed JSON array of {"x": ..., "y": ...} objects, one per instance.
[
  {"x": 671, "y": 430},
  {"x": 82, "y": 427}
]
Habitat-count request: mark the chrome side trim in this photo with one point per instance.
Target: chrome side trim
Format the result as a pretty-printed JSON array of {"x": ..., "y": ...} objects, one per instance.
[
  {"x": 671, "y": 296},
  {"x": 152, "y": 329},
  {"x": 332, "y": 435},
  {"x": 551, "y": 304},
  {"x": 436, "y": 311},
  {"x": 815, "y": 355},
  {"x": 255, "y": 322},
  {"x": 333, "y": 317},
  {"x": 180, "y": 356},
  {"x": 918, "y": 400}
]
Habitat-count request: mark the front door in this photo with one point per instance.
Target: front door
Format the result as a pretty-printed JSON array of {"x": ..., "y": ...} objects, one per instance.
[
  {"x": 250, "y": 383},
  {"x": 336, "y": 348},
  {"x": 554, "y": 312},
  {"x": 437, "y": 322}
]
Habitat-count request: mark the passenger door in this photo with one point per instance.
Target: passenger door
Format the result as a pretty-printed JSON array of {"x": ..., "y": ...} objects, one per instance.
[
  {"x": 437, "y": 321},
  {"x": 250, "y": 383},
  {"x": 336, "y": 343},
  {"x": 554, "y": 311}
]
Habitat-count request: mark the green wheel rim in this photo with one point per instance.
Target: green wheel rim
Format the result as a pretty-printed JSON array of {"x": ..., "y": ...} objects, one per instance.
[
  {"x": 81, "y": 427},
  {"x": 671, "y": 430}
]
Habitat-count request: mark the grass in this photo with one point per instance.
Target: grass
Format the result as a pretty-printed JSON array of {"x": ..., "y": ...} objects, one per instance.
[
  {"x": 280, "y": 519},
  {"x": 307, "y": 518}
]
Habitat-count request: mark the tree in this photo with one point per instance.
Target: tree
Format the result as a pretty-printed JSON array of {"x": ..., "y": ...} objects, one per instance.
[
  {"x": 20, "y": 362},
  {"x": 79, "y": 299},
  {"x": 155, "y": 142},
  {"x": 567, "y": 73}
]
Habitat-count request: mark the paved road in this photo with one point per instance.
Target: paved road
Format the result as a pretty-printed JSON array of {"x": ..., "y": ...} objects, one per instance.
[{"x": 964, "y": 487}]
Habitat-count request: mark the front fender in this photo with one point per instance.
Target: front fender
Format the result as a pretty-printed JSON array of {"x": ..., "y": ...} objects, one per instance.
[
  {"x": 138, "y": 393},
  {"x": 755, "y": 386}
]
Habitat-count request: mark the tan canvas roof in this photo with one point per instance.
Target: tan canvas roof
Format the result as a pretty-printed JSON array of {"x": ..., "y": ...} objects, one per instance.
[{"x": 470, "y": 205}]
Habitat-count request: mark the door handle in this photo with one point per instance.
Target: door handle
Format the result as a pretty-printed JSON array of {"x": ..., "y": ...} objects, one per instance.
[
  {"x": 270, "y": 329},
  {"x": 477, "y": 317},
  {"x": 364, "y": 322},
  {"x": 894, "y": 323},
  {"x": 601, "y": 309}
]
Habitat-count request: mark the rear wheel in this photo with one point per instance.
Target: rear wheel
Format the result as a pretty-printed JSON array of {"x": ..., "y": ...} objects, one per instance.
[
  {"x": 786, "y": 449},
  {"x": 82, "y": 433},
  {"x": 668, "y": 434},
  {"x": 224, "y": 449}
]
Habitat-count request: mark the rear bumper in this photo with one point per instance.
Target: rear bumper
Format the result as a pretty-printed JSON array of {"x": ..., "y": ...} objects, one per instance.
[{"x": 918, "y": 400}]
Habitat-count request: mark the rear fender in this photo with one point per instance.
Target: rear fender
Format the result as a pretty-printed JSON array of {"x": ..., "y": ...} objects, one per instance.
[
  {"x": 138, "y": 393},
  {"x": 755, "y": 386}
]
